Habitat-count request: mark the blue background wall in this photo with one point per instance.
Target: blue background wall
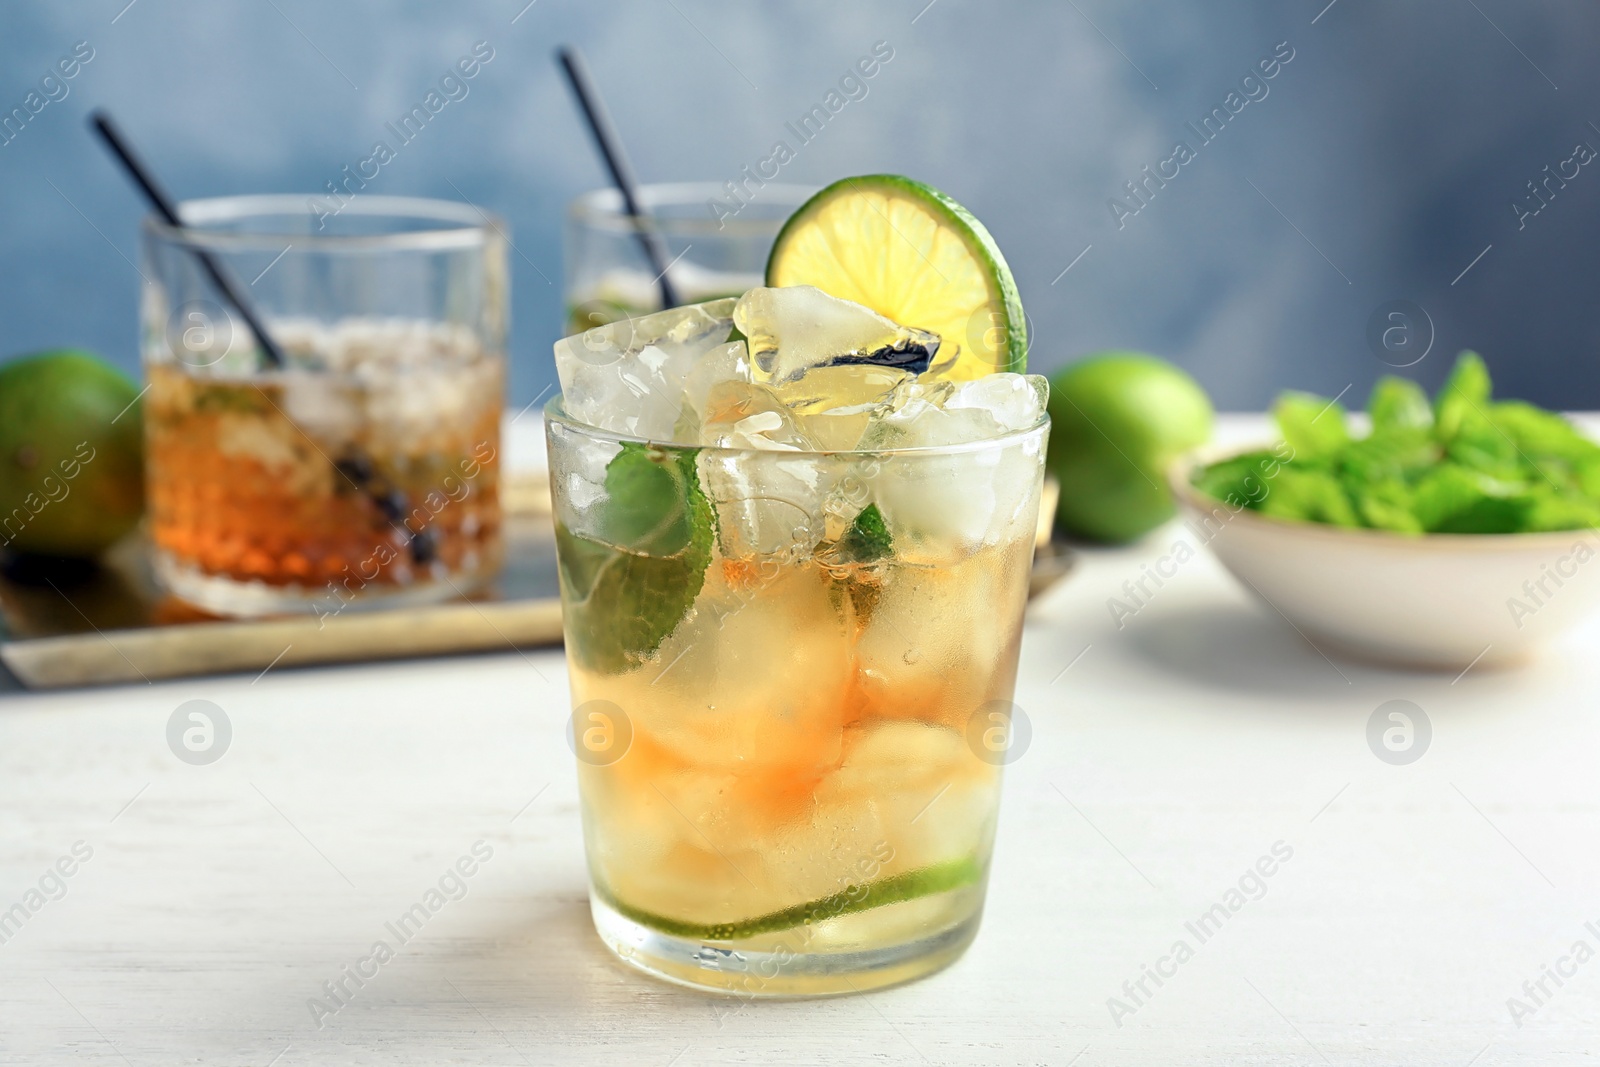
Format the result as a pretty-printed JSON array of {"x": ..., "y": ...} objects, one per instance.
[{"x": 1385, "y": 157}]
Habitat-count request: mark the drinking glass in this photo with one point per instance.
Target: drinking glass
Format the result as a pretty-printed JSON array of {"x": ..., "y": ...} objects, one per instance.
[
  {"x": 365, "y": 469},
  {"x": 791, "y": 677},
  {"x": 716, "y": 242}
]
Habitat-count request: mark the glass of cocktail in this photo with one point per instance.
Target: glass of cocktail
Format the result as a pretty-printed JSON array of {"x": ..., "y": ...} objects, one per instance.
[
  {"x": 365, "y": 468},
  {"x": 714, "y": 238},
  {"x": 795, "y": 540}
]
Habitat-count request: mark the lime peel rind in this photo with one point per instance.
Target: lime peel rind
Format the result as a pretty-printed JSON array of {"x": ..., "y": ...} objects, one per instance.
[{"x": 895, "y": 889}]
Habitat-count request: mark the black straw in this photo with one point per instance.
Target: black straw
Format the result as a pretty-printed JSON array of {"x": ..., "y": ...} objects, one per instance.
[
  {"x": 168, "y": 210},
  {"x": 610, "y": 145}
]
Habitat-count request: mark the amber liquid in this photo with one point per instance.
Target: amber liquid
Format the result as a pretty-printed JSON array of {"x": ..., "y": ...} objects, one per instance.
[
  {"x": 807, "y": 738},
  {"x": 239, "y": 490}
]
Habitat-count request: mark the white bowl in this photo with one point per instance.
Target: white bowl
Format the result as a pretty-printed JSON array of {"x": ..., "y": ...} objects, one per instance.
[{"x": 1440, "y": 601}]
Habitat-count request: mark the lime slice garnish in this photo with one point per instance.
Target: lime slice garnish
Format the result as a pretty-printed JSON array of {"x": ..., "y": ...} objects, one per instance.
[
  {"x": 626, "y": 593},
  {"x": 908, "y": 885},
  {"x": 912, "y": 254}
]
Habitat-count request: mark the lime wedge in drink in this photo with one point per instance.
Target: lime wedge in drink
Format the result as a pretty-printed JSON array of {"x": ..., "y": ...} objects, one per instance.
[
  {"x": 907, "y": 885},
  {"x": 913, "y": 255}
]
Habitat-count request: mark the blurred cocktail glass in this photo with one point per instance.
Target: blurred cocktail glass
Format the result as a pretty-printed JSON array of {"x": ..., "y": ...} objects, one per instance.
[
  {"x": 716, "y": 241},
  {"x": 365, "y": 469},
  {"x": 791, "y": 670}
]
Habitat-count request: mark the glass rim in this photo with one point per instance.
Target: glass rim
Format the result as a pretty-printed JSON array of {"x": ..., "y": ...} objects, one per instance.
[
  {"x": 460, "y": 224},
  {"x": 555, "y": 412},
  {"x": 602, "y": 207},
  {"x": 151, "y": 355}
]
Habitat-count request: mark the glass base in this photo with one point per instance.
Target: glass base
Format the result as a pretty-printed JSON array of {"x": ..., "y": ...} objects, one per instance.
[
  {"x": 230, "y": 597},
  {"x": 718, "y": 967}
]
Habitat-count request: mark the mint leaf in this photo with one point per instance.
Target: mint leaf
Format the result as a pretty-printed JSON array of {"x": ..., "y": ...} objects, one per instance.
[
  {"x": 854, "y": 586},
  {"x": 1540, "y": 432},
  {"x": 1550, "y": 510},
  {"x": 1465, "y": 393},
  {"x": 1240, "y": 480},
  {"x": 650, "y": 502},
  {"x": 1309, "y": 496},
  {"x": 1313, "y": 425},
  {"x": 1479, "y": 446},
  {"x": 1388, "y": 505},
  {"x": 1490, "y": 515},
  {"x": 867, "y": 540},
  {"x": 624, "y": 595},
  {"x": 1456, "y": 499},
  {"x": 1387, "y": 455},
  {"x": 1398, "y": 404}
]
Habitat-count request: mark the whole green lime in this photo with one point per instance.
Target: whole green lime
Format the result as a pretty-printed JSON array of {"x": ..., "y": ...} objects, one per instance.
[
  {"x": 71, "y": 454},
  {"x": 1117, "y": 421}
]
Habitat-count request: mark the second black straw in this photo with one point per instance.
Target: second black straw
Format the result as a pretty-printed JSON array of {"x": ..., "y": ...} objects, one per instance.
[{"x": 616, "y": 160}]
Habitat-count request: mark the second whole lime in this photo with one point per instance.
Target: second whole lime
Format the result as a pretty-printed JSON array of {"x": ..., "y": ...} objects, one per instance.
[
  {"x": 71, "y": 454},
  {"x": 1118, "y": 419}
]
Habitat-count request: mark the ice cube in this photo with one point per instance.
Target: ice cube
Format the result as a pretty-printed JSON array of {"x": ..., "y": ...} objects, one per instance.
[
  {"x": 769, "y": 697},
  {"x": 578, "y": 468},
  {"x": 891, "y": 774},
  {"x": 628, "y": 377},
  {"x": 326, "y": 406},
  {"x": 917, "y": 660},
  {"x": 1013, "y": 401},
  {"x": 768, "y": 500},
  {"x": 922, "y": 414},
  {"x": 971, "y": 497},
  {"x": 398, "y": 386},
  {"x": 750, "y": 415},
  {"x": 723, "y": 364},
  {"x": 798, "y": 327},
  {"x": 834, "y": 404}
]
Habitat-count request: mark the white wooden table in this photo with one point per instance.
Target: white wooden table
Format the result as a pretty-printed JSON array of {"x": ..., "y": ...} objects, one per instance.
[{"x": 1166, "y": 760}]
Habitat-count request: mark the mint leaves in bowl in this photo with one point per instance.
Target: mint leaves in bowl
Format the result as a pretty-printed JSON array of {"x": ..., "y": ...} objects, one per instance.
[
  {"x": 1431, "y": 534},
  {"x": 1463, "y": 464}
]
